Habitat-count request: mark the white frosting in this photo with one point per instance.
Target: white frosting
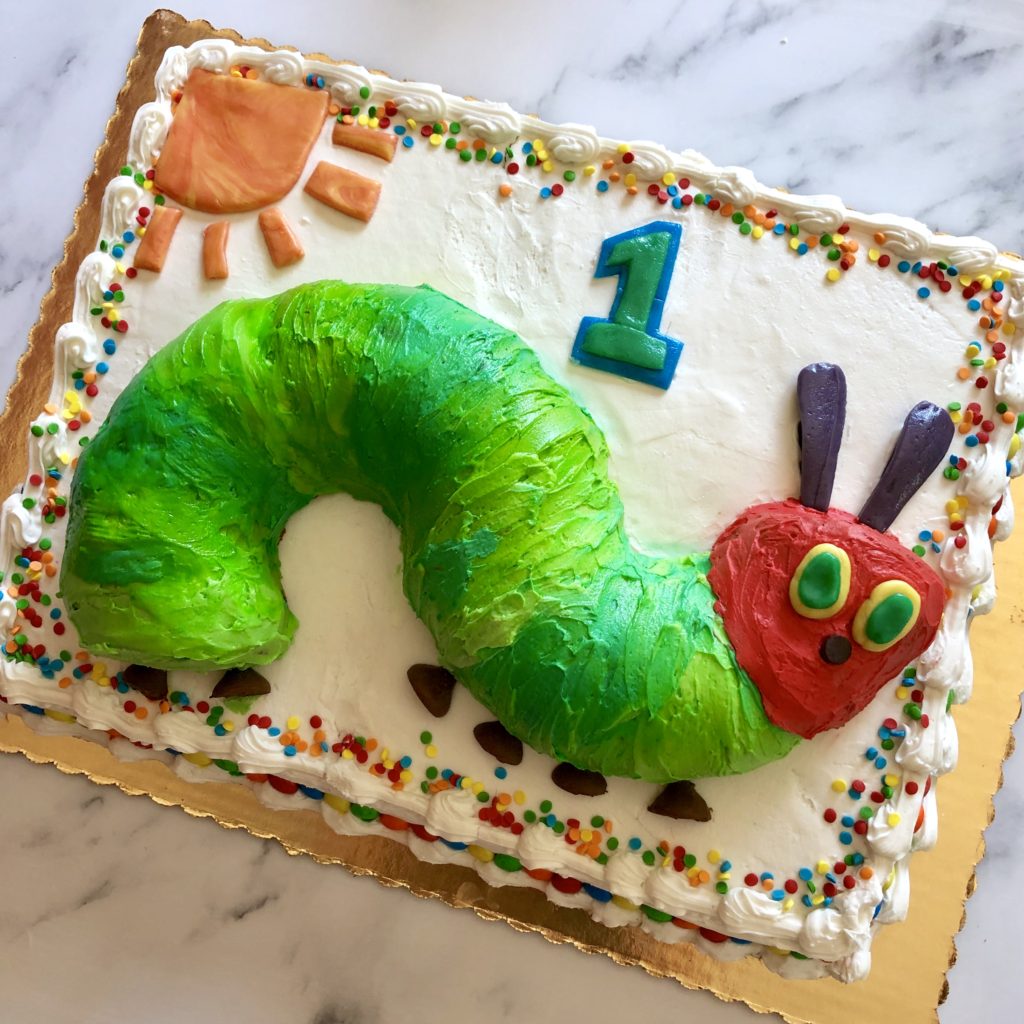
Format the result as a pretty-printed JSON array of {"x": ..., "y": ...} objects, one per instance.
[{"x": 740, "y": 426}]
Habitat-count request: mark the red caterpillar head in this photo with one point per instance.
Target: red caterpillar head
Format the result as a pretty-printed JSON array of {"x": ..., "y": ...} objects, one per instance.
[{"x": 823, "y": 607}]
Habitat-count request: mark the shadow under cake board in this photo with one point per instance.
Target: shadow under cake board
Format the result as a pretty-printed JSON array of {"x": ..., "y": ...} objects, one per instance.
[{"x": 900, "y": 989}]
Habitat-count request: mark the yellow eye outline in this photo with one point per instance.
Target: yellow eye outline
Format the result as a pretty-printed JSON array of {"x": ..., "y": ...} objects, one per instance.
[
  {"x": 806, "y": 610},
  {"x": 881, "y": 593}
]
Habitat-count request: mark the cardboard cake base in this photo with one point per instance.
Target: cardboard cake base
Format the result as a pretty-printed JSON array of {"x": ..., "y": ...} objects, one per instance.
[{"x": 941, "y": 879}]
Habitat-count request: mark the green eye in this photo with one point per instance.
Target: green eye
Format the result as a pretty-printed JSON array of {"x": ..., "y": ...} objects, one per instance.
[
  {"x": 821, "y": 583},
  {"x": 887, "y": 616}
]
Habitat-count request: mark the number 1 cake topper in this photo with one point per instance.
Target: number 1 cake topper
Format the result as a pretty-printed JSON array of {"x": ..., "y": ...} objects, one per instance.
[{"x": 629, "y": 342}]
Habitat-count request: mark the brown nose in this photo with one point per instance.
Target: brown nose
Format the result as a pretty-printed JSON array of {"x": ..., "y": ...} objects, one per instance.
[{"x": 835, "y": 649}]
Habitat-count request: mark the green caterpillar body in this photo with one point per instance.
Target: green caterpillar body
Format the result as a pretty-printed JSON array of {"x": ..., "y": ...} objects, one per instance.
[{"x": 514, "y": 550}]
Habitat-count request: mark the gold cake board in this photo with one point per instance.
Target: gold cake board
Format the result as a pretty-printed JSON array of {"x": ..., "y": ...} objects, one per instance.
[{"x": 901, "y": 988}]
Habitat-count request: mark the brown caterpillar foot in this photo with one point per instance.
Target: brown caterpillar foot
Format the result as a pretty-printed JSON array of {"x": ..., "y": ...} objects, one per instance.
[
  {"x": 681, "y": 800},
  {"x": 241, "y": 682},
  {"x": 579, "y": 782},
  {"x": 433, "y": 685},
  {"x": 150, "y": 682},
  {"x": 499, "y": 742}
]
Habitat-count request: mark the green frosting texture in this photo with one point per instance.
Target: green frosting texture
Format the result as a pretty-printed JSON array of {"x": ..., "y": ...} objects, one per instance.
[{"x": 514, "y": 550}]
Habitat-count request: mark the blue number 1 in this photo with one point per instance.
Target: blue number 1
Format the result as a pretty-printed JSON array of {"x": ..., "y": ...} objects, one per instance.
[{"x": 629, "y": 341}]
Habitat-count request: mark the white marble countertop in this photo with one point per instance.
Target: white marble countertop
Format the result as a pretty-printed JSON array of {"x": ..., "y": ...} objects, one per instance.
[{"x": 912, "y": 108}]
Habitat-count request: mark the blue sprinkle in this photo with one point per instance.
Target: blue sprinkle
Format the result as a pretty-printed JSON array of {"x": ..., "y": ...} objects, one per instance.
[
  {"x": 974, "y": 305},
  {"x": 545, "y": 192},
  {"x": 778, "y": 895},
  {"x": 110, "y": 346},
  {"x": 399, "y": 129},
  {"x": 313, "y": 794},
  {"x": 108, "y": 295},
  {"x": 500, "y": 773},
  {"x": 953, "y": 460},
  {"x": 601, "y": 895},
  {"x": 740, "y": 942},
  {"x": 452, "y": 845},
  {"x": 677, "y": 203},
  {"x": 880, "y": 763},
  {"x": 828, "y": 901},
  {"x": 323, "y": 746},
  {"x": 804, "y": 874},
  {"x": 903, "y": 266},
  {"x": 527, "y": 147},
  {"x": 289, "y": 751},
  {"x": 635, "y": 844},
  {"x": 673, "y": 190},
  {"x": 779, "y": 229},
  {"x": 766, "y": 876},
  {"x": 858, "y": 858},
  {"x": 57, "y": 665},
  {"x": 952, "y": 271},
  {"x": 79, "y": 384},
  {"x": 446, "y": 773},
  {"x": 129, "y": 236},
  {"x": 971, "y": 442},
  {"x": 406, "y": 761},
  {"x": 273, "y": 731},
  {"x": 923, "y": 535},
  {"x": 219, "y": 730},
  {"x": 122, "y": 686},
  {"x": 853, "y": 794},
  {"x": 829, "y": 877},
  {"x": 102, "y": 367},
  {"x": 935, "y": 547},
  {"x": 806, "y": 900},
  {"x": 923, "y": 293},
  {"x": 726, "y": 865},
  {"x": 550, "y": 820},
  {"x": 408, "y": 142},
  {"x": 845, "y": 838},
  {"x": 497, "y": 157},
  {"x": 801, "y": 249},
  {"x": 917, "y": 266},
  {"x": 602, "y": 186},
  {"x": 847, "y": 821},
  {"x": 117, "y": 251},
  {"x": 872, "y": 752},
  {"x": 878, "y": 909},
  {"x": 22, "y": 561},
  {"x": 32, "y": 709},
  {"x": 77, "y": 673},
  {"x": 319, "y": 81}
]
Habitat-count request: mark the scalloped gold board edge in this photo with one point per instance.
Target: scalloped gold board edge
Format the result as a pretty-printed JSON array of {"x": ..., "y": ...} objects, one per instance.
[{"x": 910, "y": 960}]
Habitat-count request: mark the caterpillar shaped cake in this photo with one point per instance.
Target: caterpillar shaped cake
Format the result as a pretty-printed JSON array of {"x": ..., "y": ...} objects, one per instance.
[{"x": 514, "y": 550}]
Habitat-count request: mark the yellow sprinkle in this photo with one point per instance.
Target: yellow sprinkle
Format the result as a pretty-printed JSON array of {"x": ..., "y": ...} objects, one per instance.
[
  {"x": 838, "y": 239},
  {"x": 435, "y": 139},
  {"x": 374, "y": 122},
  {"x": 229, "y": 726},
  {"x": 990, "y": 362},
  {"x": 794, "y": 244},
  {"x": 902, "y": 693},
  {"x": 103, "y": 681},
  {"x": 543, "y": 155},
  {"x": 666, "y": 861},
  {"x": 630, "y": 179},
  {"x": 477, "y": 787},
  {"x": 832, "y": 274},
  {"x": 962, "y": 500},
  {"x": 363, "y": 120},
  {"x": 347, "y": 754},
  {"x": 787, "y": 904},
  {"x": 198, "y": 759},
  {"x": 519, "y": 796},
  {"x": 548, "y": 165},
  {"x": 410, "y": 123},
  {"x": 823, "y": 867},
  {"x": 294, "y": 722},
  {"x": 431, "y": 750},
  {"x": 586, "y": 835},
  {"x": 817, "y": 899},
  {"x": 589, "y": 170},
  {"x": 894, "y": 819},
  {"x": 388, "y": 763},
  {"x": 965, "y": 280},
  {"x": 148, "y": 186},
  {"x": 480, "y": 853},
  {"x": 693, "y": 872},
  {"x": 986, "y": 281},
  {"x": 340, "y": 804},
  {"x": 465, "y": 783},
  {"x": 621, "y": 901},
  {"x": 406, "y": 776},
  {"x": 838, "y": 785},
  {"x": 873, "y": 255},
  {"x": 623, "y": 147},
  {"x": 1009, "y": 327},
  {"x": 59, "y": 716},
  {"x": 724, "y": 876},
  {"x": 235, "y": 73},
  {"x": 956, "y": 417},
  {"x": 714, "y": 856},
  {"x": 668, "y": 178},
  {"x": 891, "y": 780},
  {"x": 1014, "y": 445},
  {"x": 757, "y": 231}
]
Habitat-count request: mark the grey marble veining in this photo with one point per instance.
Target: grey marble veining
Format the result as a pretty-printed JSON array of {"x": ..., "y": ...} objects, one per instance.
[{"x": 913, "y": 108}]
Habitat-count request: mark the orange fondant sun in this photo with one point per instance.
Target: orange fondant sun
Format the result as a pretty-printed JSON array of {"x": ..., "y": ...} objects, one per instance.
[{"x": 225, "y": 123}]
